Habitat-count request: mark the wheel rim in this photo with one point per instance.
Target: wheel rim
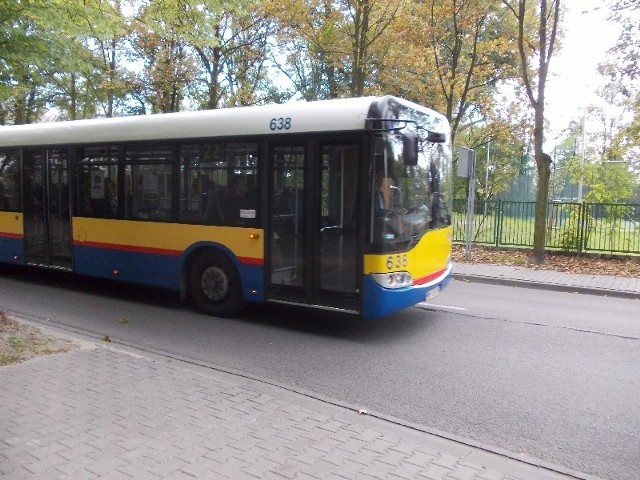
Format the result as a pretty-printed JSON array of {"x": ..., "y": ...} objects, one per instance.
[{"x": 214, "y": 283}]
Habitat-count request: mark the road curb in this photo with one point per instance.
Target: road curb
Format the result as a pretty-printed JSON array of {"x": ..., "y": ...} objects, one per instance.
[{"x": 556, "y": 287}]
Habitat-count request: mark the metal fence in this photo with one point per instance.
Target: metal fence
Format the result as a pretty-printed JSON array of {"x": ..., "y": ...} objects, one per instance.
[{"x": 578, "y": 227}]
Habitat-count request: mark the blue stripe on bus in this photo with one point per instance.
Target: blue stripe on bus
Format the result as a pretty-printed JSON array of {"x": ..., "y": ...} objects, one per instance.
[
  {"x": 378, "y": 301},
  {"x": 252, "y": 281},
  {"x": 128, "y": 266},
  {"x": 155, "y": 270},
  {"x": 11, "y": 250}
]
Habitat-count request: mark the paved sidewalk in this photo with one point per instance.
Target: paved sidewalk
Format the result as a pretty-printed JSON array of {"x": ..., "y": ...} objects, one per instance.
[
  {"x": 103, "y": 413},
  {"x": 608, "y": 285},
  {"x": 108, "y": 413}
]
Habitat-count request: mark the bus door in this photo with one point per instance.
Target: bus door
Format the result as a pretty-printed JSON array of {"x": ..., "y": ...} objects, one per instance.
[
  {"x": 47, "y": 223},
  {"x": 313, "y": 242}
]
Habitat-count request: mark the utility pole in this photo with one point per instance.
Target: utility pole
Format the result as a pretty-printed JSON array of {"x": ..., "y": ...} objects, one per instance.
[
  {"x": 486, "y": 179},
  {"x": 467, "y": 168},
  {"x": 582, "y": 158}
]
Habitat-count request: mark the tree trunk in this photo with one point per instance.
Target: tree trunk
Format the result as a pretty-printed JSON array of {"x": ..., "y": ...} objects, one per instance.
[
  {"x": 73, "y": 98},
  {"x": 542, "y": 200},
  {"x": 547, "y": 30},
  {"x": 19, "y": 109},
  {"x": 112, "y": 78},
  {"x": 361, "y": 28},
  {"x": 213, "y": 101}
]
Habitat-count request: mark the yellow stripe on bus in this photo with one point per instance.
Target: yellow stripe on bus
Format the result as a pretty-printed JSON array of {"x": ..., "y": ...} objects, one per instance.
[
  {"x": 11, "y": 224},
  {"x": 167, "y": 238},
  {"x": 431, "y": 254}
]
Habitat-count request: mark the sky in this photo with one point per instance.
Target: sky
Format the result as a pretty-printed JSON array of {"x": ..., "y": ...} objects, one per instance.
[{"x": 573, "y": 78}]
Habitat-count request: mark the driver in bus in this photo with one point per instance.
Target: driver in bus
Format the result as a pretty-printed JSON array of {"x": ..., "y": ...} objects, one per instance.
[{"x": 382, "y": 192}]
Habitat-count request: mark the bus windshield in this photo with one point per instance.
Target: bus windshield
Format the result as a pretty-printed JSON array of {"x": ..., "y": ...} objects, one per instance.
[{"x": 408, "y": 200}]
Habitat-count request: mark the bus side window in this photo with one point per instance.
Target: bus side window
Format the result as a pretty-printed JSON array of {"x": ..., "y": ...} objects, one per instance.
[
  {"x": 97, "y": 182},
  {"x": 213, "y": 208},
  {"x": 240, "y": 200},
  {"x": 149, "y": 168},
  {"x": 238, "y": 206},
  {"x": 193, "y": 184},
  {"x": 218, "y": 183},
  {"x": 10, "y": 181}
]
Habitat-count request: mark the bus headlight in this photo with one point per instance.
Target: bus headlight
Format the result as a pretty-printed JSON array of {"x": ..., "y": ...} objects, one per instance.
[{"x": 393, "y": 280}]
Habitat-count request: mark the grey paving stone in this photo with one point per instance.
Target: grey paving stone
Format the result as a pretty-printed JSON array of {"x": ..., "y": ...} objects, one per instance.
[{"x": 101, "y": 413}]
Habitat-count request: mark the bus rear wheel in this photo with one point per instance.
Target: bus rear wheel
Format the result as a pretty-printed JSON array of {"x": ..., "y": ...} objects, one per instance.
[{"x": 215, "y": 285}]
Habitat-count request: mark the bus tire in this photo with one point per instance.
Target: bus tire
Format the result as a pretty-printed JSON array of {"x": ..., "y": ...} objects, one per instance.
[{"x": 215, "y": 285}]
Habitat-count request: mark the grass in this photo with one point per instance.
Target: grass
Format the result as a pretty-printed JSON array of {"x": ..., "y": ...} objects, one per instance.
[
  {"x": 602, "y": 235},
  {"x": 20, "y": 342}
]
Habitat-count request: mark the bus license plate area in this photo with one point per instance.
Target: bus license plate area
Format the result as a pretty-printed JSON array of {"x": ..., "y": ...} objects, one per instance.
[{"x": 434, "y": 292}]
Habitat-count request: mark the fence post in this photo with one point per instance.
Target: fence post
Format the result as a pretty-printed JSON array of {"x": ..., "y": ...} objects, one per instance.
[
  {"x": 498, "y": 216},
  {"x": 582, "y": 215},
  {"x": 579, "y": 226}
]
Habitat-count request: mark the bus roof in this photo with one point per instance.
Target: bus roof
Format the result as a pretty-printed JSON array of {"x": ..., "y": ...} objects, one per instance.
[{"x": 298, "y": 117}]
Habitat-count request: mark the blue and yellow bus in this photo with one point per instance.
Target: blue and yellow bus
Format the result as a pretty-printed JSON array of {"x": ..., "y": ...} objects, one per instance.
[{"x": 340, "y": 204}]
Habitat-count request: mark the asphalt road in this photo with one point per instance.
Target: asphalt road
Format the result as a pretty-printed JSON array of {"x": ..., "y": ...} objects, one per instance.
[{"x": 543, "y": 374}]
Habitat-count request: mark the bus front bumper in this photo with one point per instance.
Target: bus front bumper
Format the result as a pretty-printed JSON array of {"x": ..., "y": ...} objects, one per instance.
[{"x": 378, "y": 301}]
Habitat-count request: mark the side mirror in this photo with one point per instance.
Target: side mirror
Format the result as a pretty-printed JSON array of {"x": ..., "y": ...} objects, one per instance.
[
  {"x": 436, "y": 137},
  {"x": 410, "y": 148}
]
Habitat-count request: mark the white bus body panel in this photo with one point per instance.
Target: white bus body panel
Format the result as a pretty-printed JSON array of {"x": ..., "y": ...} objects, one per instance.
[{"x": 298, "y": 117}]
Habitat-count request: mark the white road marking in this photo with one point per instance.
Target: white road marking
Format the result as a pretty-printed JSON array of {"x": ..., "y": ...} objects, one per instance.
[{"x": 434, "y": 306}]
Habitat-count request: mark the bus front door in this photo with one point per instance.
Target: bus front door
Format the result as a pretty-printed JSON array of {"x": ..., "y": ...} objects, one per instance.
[
  {"x": 313, "y": 243},
  {"x": 47, "y": 221}
]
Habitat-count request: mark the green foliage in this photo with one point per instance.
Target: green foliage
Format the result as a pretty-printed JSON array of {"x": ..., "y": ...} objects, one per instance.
[
  {"x": 467, "y": 52},
  {"x": 625, "y": 53},
  {"x": 608, "y": 182},
  {"x": 48, "y": 56},
  {"x": 570, "y": 239},
  {"x": 602, "y": 162},
  {"x": 335, "y": 49}
]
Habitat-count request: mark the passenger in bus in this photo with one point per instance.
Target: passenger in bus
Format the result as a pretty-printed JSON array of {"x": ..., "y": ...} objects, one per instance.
[
  {"x": 237, "y": 205},
  {"x": 212, "y": 213},
  {"x": 138, "y": 205},
  {"x": 110, "y": 197},
  {"x": 4, "y": 201}
]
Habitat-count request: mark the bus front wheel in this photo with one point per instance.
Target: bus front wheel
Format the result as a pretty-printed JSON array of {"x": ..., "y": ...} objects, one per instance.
[{"x": 215, "y": 285}]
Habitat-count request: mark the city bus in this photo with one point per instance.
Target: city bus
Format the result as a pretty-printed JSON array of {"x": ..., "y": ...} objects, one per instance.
[{"x": 342, "y": 205}]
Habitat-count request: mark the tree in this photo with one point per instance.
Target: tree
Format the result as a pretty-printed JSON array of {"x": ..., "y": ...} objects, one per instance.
[
  {"x": 49, "y": 59},
  {"x": 92, "y": 77},
  {"x": 162, "y": 41},
  {"x": 234, "y": 54},
  {"x": 227, "y": 42},
  {"x": 623, "y": 68},
  {"x": 627, "y": 141},
  {"x": 595, "y": 159},
  {"x": 367, "y": 21},
  {"x": 626, "y": 51},
  {"x": 308, "y": 39},
  {"x": 566, "y": 168},
  {"x": 168, "y": 68},
  {"x": 546, "y": 18},
  {"x": 455, "y": 56},
  {"x": 107, "y": 29},
  {"x": 27, "y": 43},
  {"x": 460, "y": 52},
  {"x": 334, "y": 48}
]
